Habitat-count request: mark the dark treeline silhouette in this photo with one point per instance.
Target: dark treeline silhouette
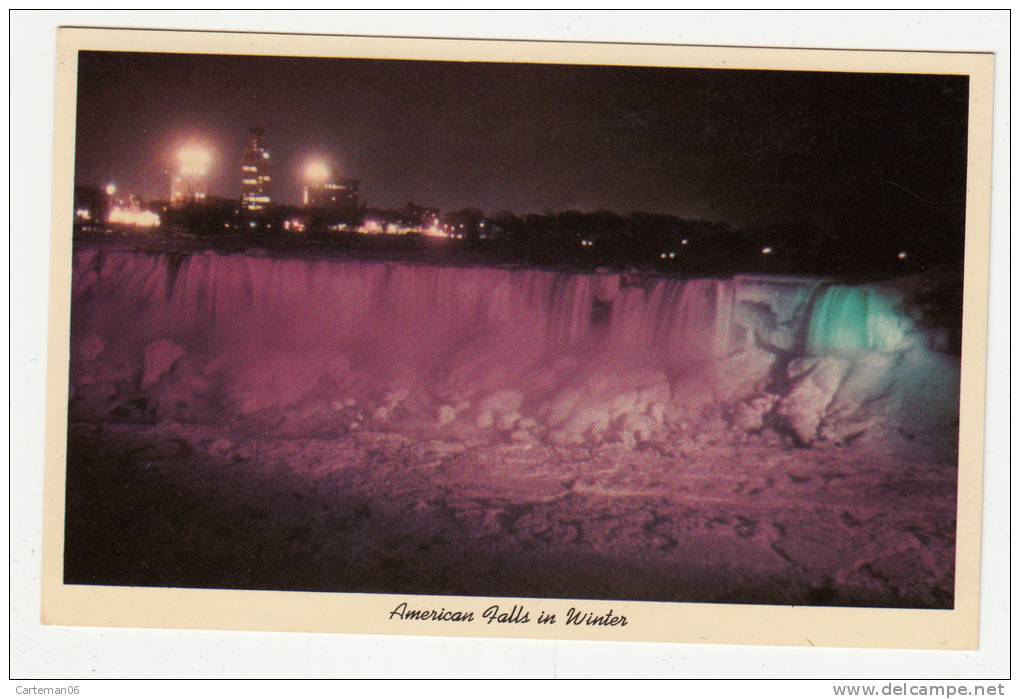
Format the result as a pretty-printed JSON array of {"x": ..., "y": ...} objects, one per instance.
[
  {"x": 675, "y": 245},
  {"x": 867, "y": 244}
]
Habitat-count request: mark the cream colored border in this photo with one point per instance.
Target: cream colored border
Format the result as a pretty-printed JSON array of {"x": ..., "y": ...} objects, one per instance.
[{"x": 648, "y": 621}]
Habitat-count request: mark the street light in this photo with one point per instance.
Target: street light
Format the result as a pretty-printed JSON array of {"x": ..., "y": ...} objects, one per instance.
[
  {"x": 317, "y": 171},
  {"x": 193, "y": 161}
]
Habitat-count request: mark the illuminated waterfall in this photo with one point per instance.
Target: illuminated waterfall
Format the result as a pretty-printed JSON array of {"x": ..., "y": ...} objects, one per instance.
[
  {"x": 211, "y": 336},
  {"x": 276, "y": 305},
  {"x": 849, "y": 320}
]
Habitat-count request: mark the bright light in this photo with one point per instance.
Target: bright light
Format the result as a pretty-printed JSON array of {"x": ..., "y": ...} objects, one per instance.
[
  {"x": 295, "y": 224},
  {"x": 766, "y": 251},
  {"x": 317, "y": 171},
  {"x": 83, "y": 214},
  {"x": 132, "y": 217},
  {"x": 434, "y": 230},
  {"x": 194, "y": 161},
  {"x": 684, "y": 241},
  {"x": 902, "y": 256},
  {"x": 111, "y": 189},
  {"x": 672, "y": 255}
]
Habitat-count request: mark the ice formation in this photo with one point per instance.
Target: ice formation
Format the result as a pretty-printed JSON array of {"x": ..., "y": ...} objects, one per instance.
[{"x": 324, "y": 346}]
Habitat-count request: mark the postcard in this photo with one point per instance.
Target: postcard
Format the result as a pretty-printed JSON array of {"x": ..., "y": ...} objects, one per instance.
[{"x": 519, "y": 339}]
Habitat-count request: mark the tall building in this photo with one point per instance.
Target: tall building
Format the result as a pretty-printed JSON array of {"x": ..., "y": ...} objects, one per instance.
[
  {"x": 255, "y": 174},
  {"x": 190, "y": 181}
]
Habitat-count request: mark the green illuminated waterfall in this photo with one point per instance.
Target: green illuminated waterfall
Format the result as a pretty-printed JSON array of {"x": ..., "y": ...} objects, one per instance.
[{"x": 851, "y": 319}]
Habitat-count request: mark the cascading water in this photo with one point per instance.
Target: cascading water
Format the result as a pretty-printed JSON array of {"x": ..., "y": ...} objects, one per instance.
[
  {"x": 260, "y": 306},
  {"x": 212, "y": 337},
  {"x": 852, "y": 320}
]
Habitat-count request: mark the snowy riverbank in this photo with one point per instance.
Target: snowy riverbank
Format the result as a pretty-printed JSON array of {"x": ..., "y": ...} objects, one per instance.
[{"x": 777, "y": 440}]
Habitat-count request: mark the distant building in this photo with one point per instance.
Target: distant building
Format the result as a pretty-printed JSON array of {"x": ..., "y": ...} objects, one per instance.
[
  {"x": 335, "y": 195},
  {"x": 189, "y": 183},
  {"x": 91, "y": 206},
  {"x": 90, "y": 203},
  {"x": 255, "y": 175}
]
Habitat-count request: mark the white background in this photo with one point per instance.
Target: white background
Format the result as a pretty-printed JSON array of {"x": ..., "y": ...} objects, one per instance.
[{"x": 47, "y": 652}]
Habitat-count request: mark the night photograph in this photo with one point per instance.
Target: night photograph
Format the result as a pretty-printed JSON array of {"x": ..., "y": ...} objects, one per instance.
[{"x": 516, "y": 330}]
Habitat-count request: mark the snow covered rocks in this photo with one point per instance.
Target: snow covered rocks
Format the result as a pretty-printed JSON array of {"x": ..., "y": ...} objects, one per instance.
[
  {"x": 874, "y": 395},
  {"x": 750, "y": 415},
  {"x": 158, "y": 359},
  {"x": 500, "y": 409}
]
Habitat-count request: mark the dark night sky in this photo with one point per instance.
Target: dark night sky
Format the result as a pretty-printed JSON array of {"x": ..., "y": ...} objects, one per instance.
[{"x": 738, "y": 146}]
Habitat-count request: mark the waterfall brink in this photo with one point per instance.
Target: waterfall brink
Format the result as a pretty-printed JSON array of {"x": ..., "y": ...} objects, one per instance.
[{"x": 569, "y": 356}]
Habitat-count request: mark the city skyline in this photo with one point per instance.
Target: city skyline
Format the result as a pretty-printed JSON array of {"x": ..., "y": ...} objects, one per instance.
[{"x": 739, "y": 146}]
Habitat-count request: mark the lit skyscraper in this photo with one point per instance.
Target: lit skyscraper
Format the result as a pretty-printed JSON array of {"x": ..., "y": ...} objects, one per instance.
[{"x": 255, "y": 174}]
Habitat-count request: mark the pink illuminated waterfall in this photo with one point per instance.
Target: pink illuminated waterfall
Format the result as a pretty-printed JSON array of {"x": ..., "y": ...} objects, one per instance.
[{"x": 249, "y": 332}]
